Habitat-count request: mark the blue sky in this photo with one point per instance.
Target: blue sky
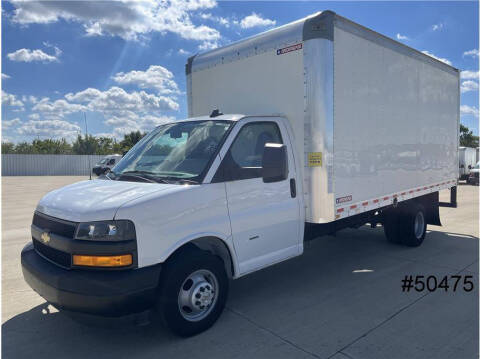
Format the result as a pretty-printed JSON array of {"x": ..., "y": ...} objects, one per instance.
[{"x": 122, "y": 63}]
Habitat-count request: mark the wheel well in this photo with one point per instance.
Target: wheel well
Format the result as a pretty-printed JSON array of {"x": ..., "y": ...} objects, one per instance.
[{"x": 213, "y": 245}]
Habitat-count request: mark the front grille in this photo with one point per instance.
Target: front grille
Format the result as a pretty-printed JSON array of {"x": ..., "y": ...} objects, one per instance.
[
  {"x": 58, "y": 257},
  {"x": 54, "y": 225}
]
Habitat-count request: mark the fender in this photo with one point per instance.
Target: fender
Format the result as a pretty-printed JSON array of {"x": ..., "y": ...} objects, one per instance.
[{"x": 210, "y": 242}]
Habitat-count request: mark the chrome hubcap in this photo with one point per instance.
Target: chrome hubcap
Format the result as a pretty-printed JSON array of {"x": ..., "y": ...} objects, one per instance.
[
  {"x": 198, "y": 295},
  {"x": 419, "y": 225}
]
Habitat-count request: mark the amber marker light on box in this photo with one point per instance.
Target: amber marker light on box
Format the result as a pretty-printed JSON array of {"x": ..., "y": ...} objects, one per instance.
[{"x": 102, "y": 261}]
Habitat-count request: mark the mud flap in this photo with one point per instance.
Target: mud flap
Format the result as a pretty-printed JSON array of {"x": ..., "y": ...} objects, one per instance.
[{"x": 431, "y": 204}]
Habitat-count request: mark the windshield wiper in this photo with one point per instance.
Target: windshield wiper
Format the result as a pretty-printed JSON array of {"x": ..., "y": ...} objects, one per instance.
[
  {"x": 181, "y": 180},
  {"x": 146, "y": 176}
]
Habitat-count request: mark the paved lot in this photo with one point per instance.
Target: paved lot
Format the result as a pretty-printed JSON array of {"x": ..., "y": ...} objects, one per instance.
[{"x": 341, "y": 299}]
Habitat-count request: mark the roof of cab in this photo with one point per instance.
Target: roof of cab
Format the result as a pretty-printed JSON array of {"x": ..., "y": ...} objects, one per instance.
[{"x": 227, "y": 117}]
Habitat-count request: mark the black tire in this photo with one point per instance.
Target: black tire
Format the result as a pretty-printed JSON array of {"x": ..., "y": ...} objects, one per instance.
[
  {"x": 173, "y": 279},
  {"x": 391, "y": 226},
  {"x": 413, "y": 225}
]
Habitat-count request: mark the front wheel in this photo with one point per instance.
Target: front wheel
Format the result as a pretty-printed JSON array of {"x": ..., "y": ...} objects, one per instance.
[{"x": 193, "y": 293}]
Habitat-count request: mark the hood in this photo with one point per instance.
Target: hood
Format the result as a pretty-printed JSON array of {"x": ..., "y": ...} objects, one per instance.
[
  {"x": 474, "y": 170},
  {"x": 96, "y": 199}
]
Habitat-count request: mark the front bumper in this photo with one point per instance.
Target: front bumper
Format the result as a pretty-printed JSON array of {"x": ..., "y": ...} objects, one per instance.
[{"x": 104, "y": 293}]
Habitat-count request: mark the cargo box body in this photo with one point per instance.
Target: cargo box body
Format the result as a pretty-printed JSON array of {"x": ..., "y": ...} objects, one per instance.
[{"x": 374, "y": 120}]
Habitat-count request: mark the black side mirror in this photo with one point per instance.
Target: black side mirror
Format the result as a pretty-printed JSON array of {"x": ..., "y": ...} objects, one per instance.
[
  {"x": 469, "y": 167},
  {"x": 274, "y": 163}
]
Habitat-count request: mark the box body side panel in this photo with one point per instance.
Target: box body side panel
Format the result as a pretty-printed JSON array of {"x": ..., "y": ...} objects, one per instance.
[
  {"x": 261, "y": 83},
  {"x": 395, "y": 120}
]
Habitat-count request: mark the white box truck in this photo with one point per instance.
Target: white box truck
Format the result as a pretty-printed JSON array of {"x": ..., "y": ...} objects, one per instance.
[
  {"x": 467, "y": 158},
  {"x": 325, "y": 125}
]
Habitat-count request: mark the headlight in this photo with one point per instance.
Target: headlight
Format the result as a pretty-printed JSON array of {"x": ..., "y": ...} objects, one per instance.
[{"x": 122, "y": 230}]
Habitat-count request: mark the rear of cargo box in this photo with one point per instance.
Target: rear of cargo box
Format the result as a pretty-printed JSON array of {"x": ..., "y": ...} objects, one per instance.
[{"x": 396, "y": 118}]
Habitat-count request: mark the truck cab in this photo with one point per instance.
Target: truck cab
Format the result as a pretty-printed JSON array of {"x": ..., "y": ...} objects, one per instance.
[{"x": 193, "y": 204}]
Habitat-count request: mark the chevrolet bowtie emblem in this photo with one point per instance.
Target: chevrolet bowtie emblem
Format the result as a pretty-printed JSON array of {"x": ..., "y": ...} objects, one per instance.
[{"x": 45, "y": 237}]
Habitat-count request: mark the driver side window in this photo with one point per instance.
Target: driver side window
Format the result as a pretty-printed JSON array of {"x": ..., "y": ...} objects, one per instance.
[{"x": 244, "y": 158}]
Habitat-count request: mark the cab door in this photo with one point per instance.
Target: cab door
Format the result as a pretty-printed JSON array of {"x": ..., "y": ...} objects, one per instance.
[{"x": 265, "y": 217}]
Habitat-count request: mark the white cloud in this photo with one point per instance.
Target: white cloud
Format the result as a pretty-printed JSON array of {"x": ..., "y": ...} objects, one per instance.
[
  {"x": 469, "y": 110},
  {"x": 208, "y": 45},
  {"x": 117, "y": 100},
  {"x": 130, "y": 20},
  {"x": 57, "y": 51},
  {"x": 125, "y": 111},
  {"x": 183, "y": 52},
  {"x": 221, "y": 20},
  {"x": 468, "y": 85},
  {"x": 49, "y": 128},
  {"x": 437, "y": 27},
  {"x": 123, "y": 125},
  {"x": 470, "y": 75},
  {"x": 56, "y": 109},
  {"x": 155, "y": 77},
  {"x": 27, "y": 55},
  {"x": 402, "y": 37},
  {"x": 473, "y": 53},
  {"x": 11, "y": 100},
  {"x": 34, "y": 116},
  {"x": 7, "y": 124},
  {"x": 5, "y": 76},
  {"x": 448, "y": 62},
  {"x": 255, "y": 20}
]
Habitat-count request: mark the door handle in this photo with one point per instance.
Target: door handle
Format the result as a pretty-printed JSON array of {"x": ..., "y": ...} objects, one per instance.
[{"x": 293, "y": 188}]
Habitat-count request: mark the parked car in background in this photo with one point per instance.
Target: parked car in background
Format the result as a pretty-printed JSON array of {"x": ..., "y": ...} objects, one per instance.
[
  {"x": 106, "y": 164},
  {"x": 466, "y": 161},
  {"x": 473, "y": 176}
]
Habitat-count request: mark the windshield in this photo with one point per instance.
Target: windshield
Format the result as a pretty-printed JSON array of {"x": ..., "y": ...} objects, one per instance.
[
  {"x": 477, "y": 166},
  {"x": 103, "y": 161},
  {"x": 174, "y": 151}
]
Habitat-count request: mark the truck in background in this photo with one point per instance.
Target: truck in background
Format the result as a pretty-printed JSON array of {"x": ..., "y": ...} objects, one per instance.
[
  {"x": 328, "y": 125},
  {"x": 106, "y": 164},
  {"x": 467, "y": 158}
]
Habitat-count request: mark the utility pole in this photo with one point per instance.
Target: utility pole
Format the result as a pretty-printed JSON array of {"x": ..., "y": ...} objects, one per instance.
[{"x": 86, "y": 143}]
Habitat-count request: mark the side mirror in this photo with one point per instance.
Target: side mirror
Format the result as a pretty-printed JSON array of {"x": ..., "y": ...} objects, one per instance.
[
  {"x": 274, "y": 163},
  {"x": 462, "y": 166},
  {"x": 469, "y": 167}
]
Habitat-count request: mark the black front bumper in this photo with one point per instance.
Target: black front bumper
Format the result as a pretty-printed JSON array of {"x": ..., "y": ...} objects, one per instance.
[{"x": 104, "y": 293}]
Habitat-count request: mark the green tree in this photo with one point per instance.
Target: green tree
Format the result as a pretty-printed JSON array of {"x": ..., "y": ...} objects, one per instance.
[
  {"x": 87, "y": 145},
  {"x": 50, "y": 146},
  {"x": 467, "y": 138},
  {"x": 24, "y": 148},
  {"x": 130, "y": 139},
  {"x": 8, "y": 147}
]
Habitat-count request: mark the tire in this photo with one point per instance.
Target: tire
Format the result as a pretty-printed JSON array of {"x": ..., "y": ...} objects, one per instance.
[
  {"x": 413, "y": 225},
  {"x": 193, "y": 292},
  {"x": 391, "y": 226}
]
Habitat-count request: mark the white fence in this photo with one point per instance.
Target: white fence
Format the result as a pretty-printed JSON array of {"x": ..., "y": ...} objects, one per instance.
[{"x": 48, "y": 165}]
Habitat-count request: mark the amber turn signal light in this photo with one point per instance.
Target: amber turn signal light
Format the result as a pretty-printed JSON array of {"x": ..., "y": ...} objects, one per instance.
[{"x": 102, "y": 261}]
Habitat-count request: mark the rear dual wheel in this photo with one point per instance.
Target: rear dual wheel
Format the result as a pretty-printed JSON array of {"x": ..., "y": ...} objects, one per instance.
[{"x": 406, "y": 224}]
